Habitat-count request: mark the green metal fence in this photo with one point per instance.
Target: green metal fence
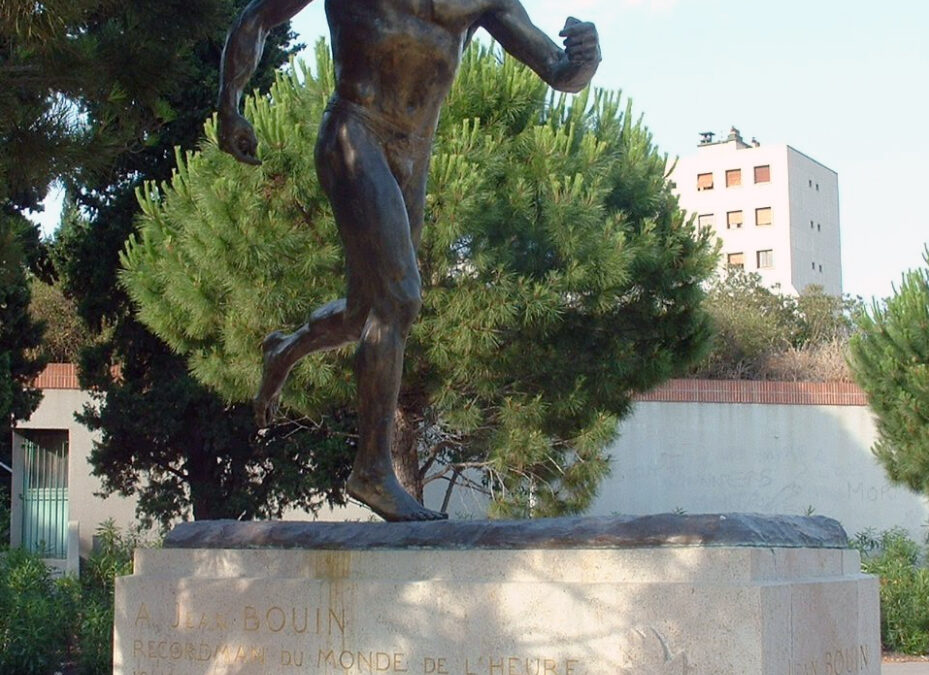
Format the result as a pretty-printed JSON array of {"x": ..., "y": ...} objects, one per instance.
[{"x": 45, "y": 493}]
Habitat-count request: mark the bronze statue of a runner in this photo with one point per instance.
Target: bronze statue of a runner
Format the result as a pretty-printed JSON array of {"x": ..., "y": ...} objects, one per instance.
[{"x": 395, "y": 61}]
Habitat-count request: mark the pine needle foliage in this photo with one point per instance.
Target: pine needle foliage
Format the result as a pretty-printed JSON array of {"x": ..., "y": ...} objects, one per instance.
[
  {"x": 20, "y": 332},
  {"x": 559, "y": 274},
  {"x": 151, "y": 71},
  {"x": 890, "y": 361}
]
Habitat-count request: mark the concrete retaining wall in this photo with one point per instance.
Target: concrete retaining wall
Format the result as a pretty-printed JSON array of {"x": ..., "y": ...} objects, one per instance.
[{"x": 710, "y": 453}]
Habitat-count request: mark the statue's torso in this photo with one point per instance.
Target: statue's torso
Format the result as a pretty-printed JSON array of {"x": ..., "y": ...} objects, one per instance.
[{"x": 399, "y": 57}]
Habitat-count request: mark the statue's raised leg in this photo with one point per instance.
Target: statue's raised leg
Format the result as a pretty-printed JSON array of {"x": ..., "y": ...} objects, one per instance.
[{"x": 329, "y": 327}]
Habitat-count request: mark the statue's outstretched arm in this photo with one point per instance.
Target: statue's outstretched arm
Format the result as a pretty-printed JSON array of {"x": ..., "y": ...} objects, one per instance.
[
  {"x": 244, "y": 46},
  {"x": 569, "y": 69}
]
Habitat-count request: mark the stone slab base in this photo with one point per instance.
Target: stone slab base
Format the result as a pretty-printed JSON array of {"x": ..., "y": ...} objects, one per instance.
[{"x": 554, "y": 611}]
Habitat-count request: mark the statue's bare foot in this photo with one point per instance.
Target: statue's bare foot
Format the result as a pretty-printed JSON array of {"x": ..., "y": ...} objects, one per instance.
[
  {"x": 273, "y": 375},
  {"x": 387, "y": 498}
]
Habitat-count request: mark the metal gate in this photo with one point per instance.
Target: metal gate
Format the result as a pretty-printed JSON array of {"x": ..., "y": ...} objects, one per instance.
[{"x": 45, "y": 493}]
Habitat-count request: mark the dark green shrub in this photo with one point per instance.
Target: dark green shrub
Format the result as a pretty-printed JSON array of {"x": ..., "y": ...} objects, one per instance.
[
  {"x": 112, "y": 557},
  {"x": 46, "y": 623},
  {"x": 5, "y": 516},
  {"x": 34, "y": 629},
  {"x": 901, "y": 566},
  {"x": 95, "y": 637}
]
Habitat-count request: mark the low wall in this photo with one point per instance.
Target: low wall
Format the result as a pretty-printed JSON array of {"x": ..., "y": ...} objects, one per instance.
[
  {"x": 766, "y": 447},
  {"x": 698, "y": 446}
]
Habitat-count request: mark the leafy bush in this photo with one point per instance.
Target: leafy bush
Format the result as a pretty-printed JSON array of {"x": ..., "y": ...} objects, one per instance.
[
  {"x": 5, "y": 516},
  {"x": 763, "y": 334},
  {"x": 825, "y": 362},
  {"x": 901, "y": 565},
  {"x": 34, "y": 629},
  {"x": 65, "y": 334},
  {"x": 46, "y": 622},
  {"x": 112, "y": 557}
]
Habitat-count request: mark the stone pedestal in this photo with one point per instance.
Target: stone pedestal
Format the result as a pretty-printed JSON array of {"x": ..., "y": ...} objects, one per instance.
[{"x": 660, "y": 595}]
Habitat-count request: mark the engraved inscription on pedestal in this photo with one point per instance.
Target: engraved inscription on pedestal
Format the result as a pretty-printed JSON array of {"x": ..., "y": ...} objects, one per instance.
[
  {"x": 645, "y": 651},
  {"x": 273, "y": 636},
  {"x": 836, "y": 660},
  {"x": 191, "y": 634}
]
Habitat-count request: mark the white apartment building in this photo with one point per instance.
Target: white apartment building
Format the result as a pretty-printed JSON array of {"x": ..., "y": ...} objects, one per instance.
[{"x": 775, "y": 209}]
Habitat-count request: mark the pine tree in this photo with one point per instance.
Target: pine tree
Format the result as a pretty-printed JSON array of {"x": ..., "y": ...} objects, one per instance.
[
  {"x": 559, "y": 278},
  {"x": 20, "y": 334},
  {"x": 890, "y": 361},
  {"x": 164, "y": 437},
  {"x": 82, "y": 81}
]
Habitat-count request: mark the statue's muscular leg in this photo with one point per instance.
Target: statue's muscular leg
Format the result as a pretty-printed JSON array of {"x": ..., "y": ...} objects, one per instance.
[
  {"x": 385, "y": 288},
  {"x": 328, "y": 328}
]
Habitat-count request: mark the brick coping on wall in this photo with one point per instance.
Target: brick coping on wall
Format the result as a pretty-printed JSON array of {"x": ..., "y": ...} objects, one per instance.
[
  {"x": 751, "y": 391},
  {"x": 57, "y": 376},
  {"x": 64, "y": 376}
]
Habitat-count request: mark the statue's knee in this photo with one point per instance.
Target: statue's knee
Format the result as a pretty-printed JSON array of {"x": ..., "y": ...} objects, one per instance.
[
  {"x": 355, "y": 318},
  {"x": 407, "y": 308}
]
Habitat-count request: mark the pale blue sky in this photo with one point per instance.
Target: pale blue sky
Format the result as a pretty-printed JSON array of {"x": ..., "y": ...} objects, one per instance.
[{"x": 844, "y": 82}]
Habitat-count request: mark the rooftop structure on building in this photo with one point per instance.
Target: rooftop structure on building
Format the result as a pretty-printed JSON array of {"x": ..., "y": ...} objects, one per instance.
[{"x": 775, "y": 209}]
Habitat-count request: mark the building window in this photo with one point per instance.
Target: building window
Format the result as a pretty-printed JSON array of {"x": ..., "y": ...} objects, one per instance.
[
  {"x": 704, "y": 181},
  {"x": 763, "y": 174},
  {"x": 733, "y": 220},
  {"x": 811, "y": 182},
  {"x": 763, "y": 216},
  {"x": 705, "y": 221},
  {"x": 813, "y": 266},
  {"x": 765, "y": 259},
  {"x": 817, "y": 187},
  {"x": 811, "y": 224},
  {"x": 819, "y": 227},
  {"x": 736, "y": 260},
  {"x": 820, "y": 269},
  {"x": 733, "y": 177}
]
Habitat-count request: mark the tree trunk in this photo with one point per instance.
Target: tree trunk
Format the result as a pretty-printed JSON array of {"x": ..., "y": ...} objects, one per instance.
[
  {"x": 202, "y": 508},
  {"x": 200, "y": 480},
  {"x": 404, "y": 455},
  {"x": 203, "y": 501}
]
